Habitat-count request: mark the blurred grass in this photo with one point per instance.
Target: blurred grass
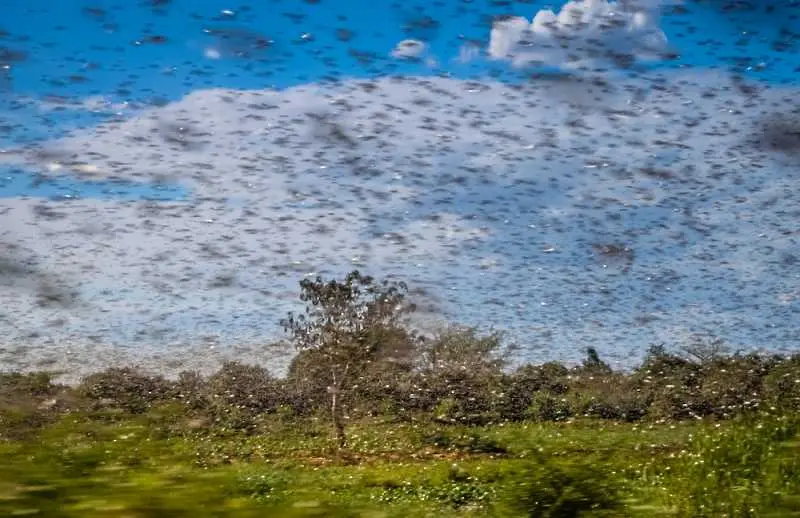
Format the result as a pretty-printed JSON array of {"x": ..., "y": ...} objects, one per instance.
[{"x": 104, "y": 464}]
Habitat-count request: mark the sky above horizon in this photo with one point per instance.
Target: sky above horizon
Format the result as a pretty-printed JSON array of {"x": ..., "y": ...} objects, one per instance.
[{"x": 576, "y": 173}]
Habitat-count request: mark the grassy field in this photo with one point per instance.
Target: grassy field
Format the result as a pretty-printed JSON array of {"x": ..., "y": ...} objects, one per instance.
[{"x": 165, "y": 462}]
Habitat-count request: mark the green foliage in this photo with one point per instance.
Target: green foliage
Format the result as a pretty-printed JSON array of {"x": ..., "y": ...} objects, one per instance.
[
  {"x": 456, "y": 489},
  {"x": 548, "y": 488},
  {"x": 30, "y": 383},
  {"x": 86, "y": 465},
  {"x": 607, "y": 395},
  {"x": 546, "y": 406},
  {"x": 459, "y": 376},
  {"x": 755, "y": 464},
  {"x": 462, "y": 441},
  {"x": 782, "y": 385},
  {"x": 522, "y": 388}
]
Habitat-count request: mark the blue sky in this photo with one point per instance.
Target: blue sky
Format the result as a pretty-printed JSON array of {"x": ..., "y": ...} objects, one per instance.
[
  {"x": 106, "y": 44},
  {"x": 493, "y": 250}
]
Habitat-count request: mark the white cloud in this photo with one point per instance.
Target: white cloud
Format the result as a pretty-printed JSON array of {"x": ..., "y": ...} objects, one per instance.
[
  {"x": 212, "y": 53},
  {"x": 408, "y": 49},
  {"x": 584, "y": 33},
  {"x": 467, "y": 52}
]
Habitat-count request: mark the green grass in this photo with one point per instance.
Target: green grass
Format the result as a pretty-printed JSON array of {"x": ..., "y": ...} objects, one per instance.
[{"x": 162, "y": 464}]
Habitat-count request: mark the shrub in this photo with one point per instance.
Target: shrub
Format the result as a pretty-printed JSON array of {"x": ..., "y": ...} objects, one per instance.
[
  {"x": 547, "y": 489},
  {"x": 32, "y": 384},
  {"x": 470, "y": 442},
  {"x": 470, "y": 398},
  {"x": 238, "y": 393},
  {"x": 124, "y": 389},
  {"x": 782, "y": 385},
  {"x": 462, "y": 348},
  {"x": 462, "y": 366},
  {"x": 190, "y": 389},
  {"x": 677, "y": 388},
  {"x": 546, "y": 406},
  {"x": 30, "y": 401},
  {"x": 306, "y": 384},
  {"x": 523, "y": 384},
  {"x": 729, "y": 386},
  {"x": 607, "y": 395},
  {"x": 249, "y": 387}
]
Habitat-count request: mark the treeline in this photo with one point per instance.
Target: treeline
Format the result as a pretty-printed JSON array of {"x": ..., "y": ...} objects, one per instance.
[
  {"x": 665, "y": 387},
  {"x": 357, "y": 358}
]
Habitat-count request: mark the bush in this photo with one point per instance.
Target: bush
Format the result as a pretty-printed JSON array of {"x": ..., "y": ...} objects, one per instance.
[
  {"x": 458, "y": 395},
  {"x": 32, "y": 384},
  {"x": 677, "y": 388},
  {"x": 30, "y": 401},
  {"x": 546, "y": 406},
  {"x": 782, "y": 385},
  {"x": 306, "y": 384},
  {"x": 607, "y": 395},
  {"x": 125, "y": 389},
  {"x": 238, "y": 393},
  {"x": 732, "y": 385},
  {"x": 190, "y": 389},
  {"x": 547, "y": 489},
  {"x": 522, "y": 385}
]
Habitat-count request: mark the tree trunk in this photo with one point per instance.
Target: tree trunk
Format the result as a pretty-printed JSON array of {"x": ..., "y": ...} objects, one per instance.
[
  {"x": 338, "y": 424},
  {"x": 336, "y": 412}
]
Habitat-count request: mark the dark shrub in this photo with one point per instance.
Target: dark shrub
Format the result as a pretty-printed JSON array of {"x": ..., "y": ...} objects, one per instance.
[
  {"x": 471, "y": 442},
  {"x": 464, "y": 368},
  {"x": 190, "y": 389},
  {"x": 383, "y": 389},
  {"x": 459, "y": 395},
  {"x": 669, "y": 383},
  {"x": 782, "y": 385},
  {"x": 462, "y": 348},
  {"x": 719, "y": 386},
  {"x": 237, "y": 393},
  {"x": 525, "y": 382},
  {"x": 36, "y": 384},
  {"x": 607, "y": 395},
  {"x": 307, "y": 382},
  {"x": 729, "y": 386},
  {"x": 593, "y": 363},
  {"x": 28, "y": 402},
  {"x": 124, "y": 389}
]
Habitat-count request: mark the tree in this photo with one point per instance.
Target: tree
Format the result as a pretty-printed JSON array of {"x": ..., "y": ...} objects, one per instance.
[
  {"x": 457, "y": 347},
  {"x": 592, "y": 362},
  {"x": 345, "y": 328},
  {"x": 704, "y": 349},
  {"x": 460, "y": 373}
]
